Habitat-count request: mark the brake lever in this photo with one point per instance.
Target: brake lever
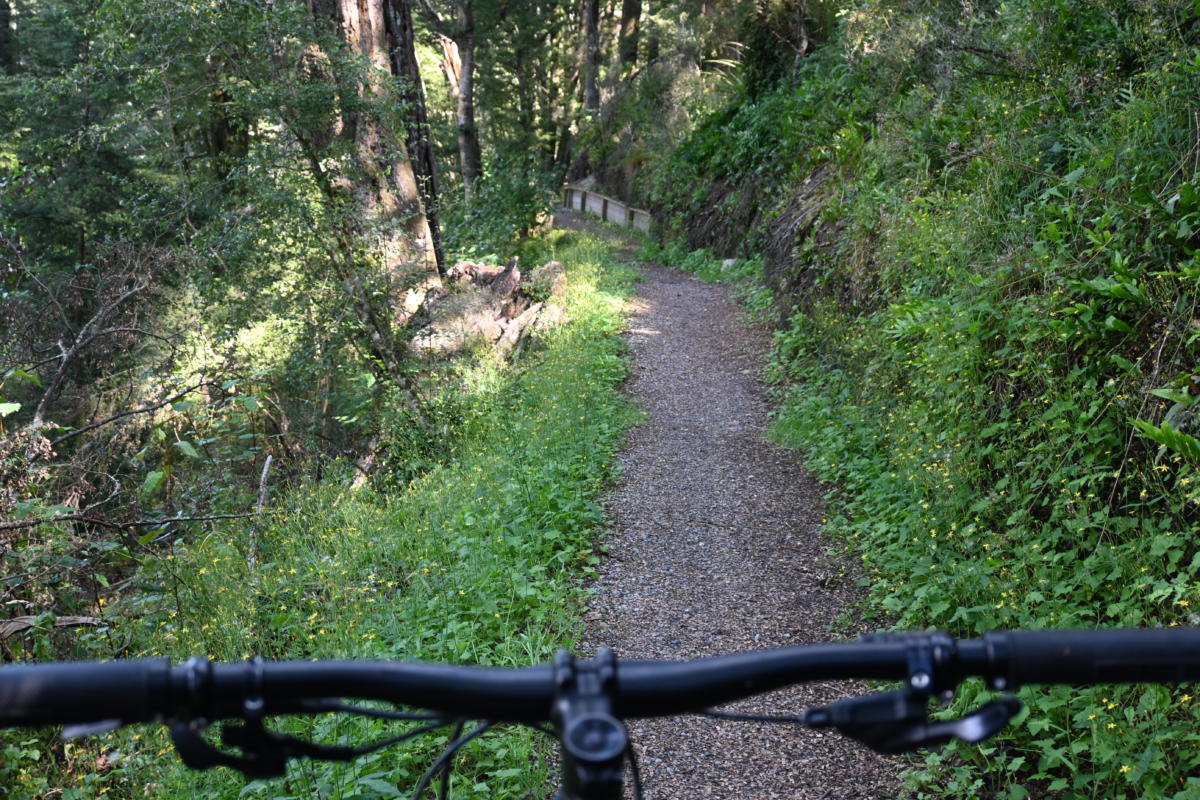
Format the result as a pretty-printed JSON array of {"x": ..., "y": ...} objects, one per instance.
[
  {"x": 264, "y": 753},
  {"x": 898, "y": 722}
]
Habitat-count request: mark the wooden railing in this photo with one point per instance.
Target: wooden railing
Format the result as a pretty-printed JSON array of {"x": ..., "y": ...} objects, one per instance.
[{"x": 606, "y": 208}]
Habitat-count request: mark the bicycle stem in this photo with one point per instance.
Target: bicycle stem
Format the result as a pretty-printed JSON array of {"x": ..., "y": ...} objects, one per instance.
[{"x": 594, "y": 742}]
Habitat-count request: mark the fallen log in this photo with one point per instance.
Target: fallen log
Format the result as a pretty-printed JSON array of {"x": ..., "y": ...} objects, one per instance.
[
  {"x": 489, "y": 305},
  {"x": 11, "y": 627}
]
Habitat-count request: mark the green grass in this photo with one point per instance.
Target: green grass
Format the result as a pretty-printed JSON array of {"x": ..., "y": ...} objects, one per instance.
[{"x": 481, "y": 559}]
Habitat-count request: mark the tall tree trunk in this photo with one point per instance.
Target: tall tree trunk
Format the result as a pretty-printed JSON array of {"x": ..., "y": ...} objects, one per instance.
[
  {"x": 404, "y": 65},
  {"x": 451, "y": 65},
  {"x": 385, "y": 188},
  {"x": 546, "y": 101},
  {"x": 591, "y": 55},
  {"x": 8, "y": 58},
  {"x": 376, "y": 199},
  {"x": 631, "y": 18},
  {"x": 567, "y": 111},
  {"x": 526, "y": 111},
  {"x": 462, "y": 33},
  {"x": 227, "y": 132},
  {"x": 653, "y": 41},
  {"x": 468, "y": 134}
]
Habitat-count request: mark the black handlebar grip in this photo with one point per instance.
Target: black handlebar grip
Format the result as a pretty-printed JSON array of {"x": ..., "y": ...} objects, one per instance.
[
  {"x": 1160, "y": 655},
  {"x": 50, "y": 694}
]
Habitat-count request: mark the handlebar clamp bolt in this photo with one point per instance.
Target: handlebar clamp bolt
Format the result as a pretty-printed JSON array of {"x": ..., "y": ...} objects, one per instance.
[{"x": 920, "y": 681}]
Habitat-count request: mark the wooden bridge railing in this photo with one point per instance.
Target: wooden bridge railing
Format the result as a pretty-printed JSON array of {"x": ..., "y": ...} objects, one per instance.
[{"x": 607, "y": 208}]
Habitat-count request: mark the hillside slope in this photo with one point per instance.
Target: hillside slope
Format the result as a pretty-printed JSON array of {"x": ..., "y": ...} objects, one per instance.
[{"x": 981, "y": 232}]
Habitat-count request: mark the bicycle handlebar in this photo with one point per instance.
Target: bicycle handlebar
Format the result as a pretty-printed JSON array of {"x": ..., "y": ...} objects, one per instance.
[
  {"x": 149, "y": 689},
  {"x": 1164, "y": 655}
]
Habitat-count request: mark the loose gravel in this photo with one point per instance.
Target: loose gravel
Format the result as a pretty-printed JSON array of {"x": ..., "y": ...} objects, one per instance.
[{"x": 716, "y": 547}]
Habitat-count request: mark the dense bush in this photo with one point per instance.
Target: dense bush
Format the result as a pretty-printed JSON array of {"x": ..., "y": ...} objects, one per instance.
[
  {"x": 514, "y": 197},
  {"x": 992, "y": 361},
  {"x": 717, "y": 187},
  {"x": 481, "y": 558}
]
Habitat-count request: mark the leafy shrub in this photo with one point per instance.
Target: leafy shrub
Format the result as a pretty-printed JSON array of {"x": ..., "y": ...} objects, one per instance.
[
  {"x": 744, "y": 158},
  {"x": 479, "y": 558},
  {"x": 992, "y": 363},
  {"x": 514, "y": 196}
]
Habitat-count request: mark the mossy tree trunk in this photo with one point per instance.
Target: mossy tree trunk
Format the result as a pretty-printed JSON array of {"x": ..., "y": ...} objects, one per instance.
[
  {"x": 402, "y": 40},
  {"x": 469, "y": 151},
  {"x": 385, "y": 187},
  {"x": 383, "y": 237},
  {"x": 591, "y": 55}
]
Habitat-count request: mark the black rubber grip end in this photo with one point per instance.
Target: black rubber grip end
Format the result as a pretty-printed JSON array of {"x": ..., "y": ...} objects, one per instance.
[
  {"x": 50, "y": 694},
  {"x": 1160, "y": 655}
]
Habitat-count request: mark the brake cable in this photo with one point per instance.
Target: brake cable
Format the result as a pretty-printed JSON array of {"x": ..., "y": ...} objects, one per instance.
[
  {"x": 264, "y": 753},
  {"x": 898, "y": 721}
]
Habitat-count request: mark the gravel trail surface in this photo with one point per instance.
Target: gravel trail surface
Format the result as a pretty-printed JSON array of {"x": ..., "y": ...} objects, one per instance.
[{"x": 716, "y": 547}]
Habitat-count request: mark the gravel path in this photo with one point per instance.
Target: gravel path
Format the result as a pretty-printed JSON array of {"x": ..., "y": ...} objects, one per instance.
[{"x": 716, "y": 547}]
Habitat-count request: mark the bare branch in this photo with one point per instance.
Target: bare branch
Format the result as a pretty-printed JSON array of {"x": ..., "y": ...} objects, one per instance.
[
  {"x": 438, "y": 23},
  {"x": 10, "y": 627},
  {"x": 252, "y": 557},
  {"x": 139, "y": 331},
  {"x": 131, "y": 412},
  {"x": 118, "y": 526},
  {"x": 35, "y": 364},
  {"x": 85, "y": 338},
  {"x": 62, "y": 313},
  {"x": 633, "y": 76},
  {"x": 112, "y": 496}
]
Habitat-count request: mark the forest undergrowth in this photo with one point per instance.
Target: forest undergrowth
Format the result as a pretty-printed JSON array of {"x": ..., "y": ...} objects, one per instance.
[
  {"x": 981, "y": 240},
  {"x": 480, "y": 559}
]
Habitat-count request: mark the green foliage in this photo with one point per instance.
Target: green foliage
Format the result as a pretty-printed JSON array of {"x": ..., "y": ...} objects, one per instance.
[
  {"x": 718, "y": 184},
  {"x": 523, "y": 51},
  {"x": 514, "y": 197},
  {"x": 777, "y": 36},
  {"x": 193, "y": 164},
  {"x": 214, "y": 158},
  {"x": 991, "y": 358},
  {"x": 479, "y": 559}
]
